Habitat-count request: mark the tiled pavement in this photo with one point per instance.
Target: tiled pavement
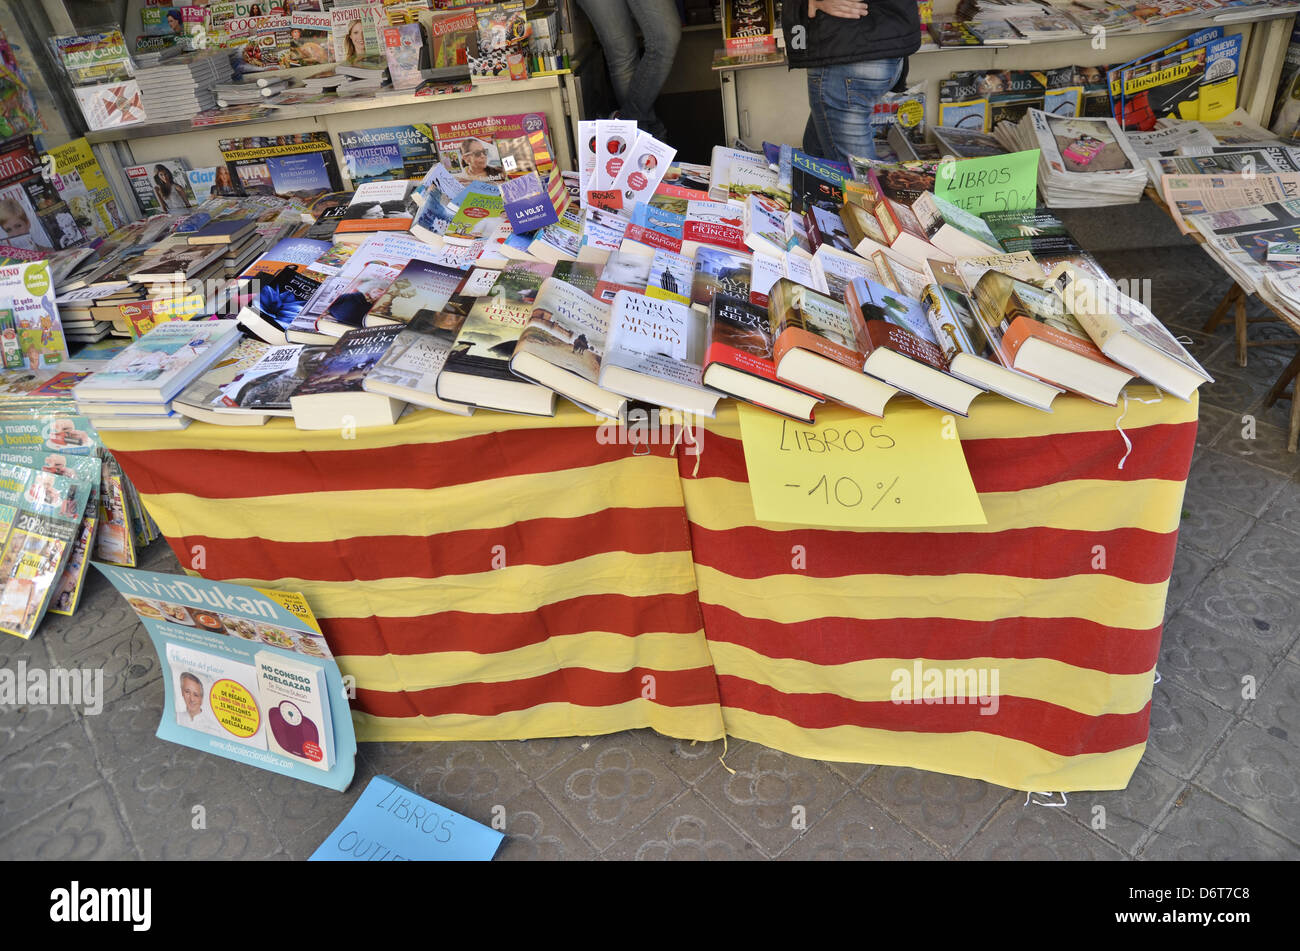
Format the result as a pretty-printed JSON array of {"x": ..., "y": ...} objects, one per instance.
[{"x": 1220, "y": 779}]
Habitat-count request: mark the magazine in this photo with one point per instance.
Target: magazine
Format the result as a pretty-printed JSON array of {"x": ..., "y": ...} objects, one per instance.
[{"x": 293, "y": 166}]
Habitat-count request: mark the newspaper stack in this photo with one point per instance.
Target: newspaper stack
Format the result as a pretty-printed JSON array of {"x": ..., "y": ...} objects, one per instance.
[
  {"x": 1082, "y": 162},
  {"x": 182, "y": 88}
]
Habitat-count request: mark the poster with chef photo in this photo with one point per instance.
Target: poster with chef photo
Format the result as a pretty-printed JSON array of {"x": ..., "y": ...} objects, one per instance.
[
  {"x": 646, "y": 165},
  {"x": 248, "y": 674}
]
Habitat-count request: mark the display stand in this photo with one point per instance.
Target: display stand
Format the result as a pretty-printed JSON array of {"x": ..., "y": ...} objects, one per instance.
[
  {"x": 507, "y": 577},
  {"x": 769, "y": 104}
]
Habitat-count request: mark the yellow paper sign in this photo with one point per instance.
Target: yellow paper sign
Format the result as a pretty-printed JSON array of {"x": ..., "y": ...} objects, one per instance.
[{"x": 855, "y": 471}]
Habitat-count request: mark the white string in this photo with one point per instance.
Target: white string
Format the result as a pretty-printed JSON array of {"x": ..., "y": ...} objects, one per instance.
[
  {"x": 1128, "y": 444},
  {"x": 1185, "y": 340},
  {"x": 1046, "y": 805},
  {"x": 1158, "y": 679}
]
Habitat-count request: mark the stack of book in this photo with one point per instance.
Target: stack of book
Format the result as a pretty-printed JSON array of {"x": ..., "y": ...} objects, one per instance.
[
  {"x": 135, "y": 389},
  {"x": 182, "y": 87}
]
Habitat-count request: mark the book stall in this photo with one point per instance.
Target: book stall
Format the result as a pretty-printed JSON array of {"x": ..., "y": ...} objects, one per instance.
[{"x": 456, "y": 439}]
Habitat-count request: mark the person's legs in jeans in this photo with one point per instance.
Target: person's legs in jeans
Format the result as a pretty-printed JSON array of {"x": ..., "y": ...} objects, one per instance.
[
  {"x": 612, "y": 22},
  {"x": 841, "y": 99},
  {"x": 661, "y": 26},
  {"x": 637, "y": 79}
]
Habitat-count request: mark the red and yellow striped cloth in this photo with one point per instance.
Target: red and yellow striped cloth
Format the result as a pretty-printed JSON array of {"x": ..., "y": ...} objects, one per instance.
[
  {"x": 490, "y": 577},
  {"x": 505, "y": 577},
  {"x": 1062, "y": 593}
]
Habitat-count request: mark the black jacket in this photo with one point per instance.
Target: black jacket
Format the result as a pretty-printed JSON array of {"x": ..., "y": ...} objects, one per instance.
[{"x": 891, "y": 29}]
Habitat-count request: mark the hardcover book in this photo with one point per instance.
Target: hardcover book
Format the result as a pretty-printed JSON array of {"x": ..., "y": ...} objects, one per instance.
[
  {"x": 655, "y": 352},
  {"x": 562, "y": 344},
  {"x": 333, "y": 396}
]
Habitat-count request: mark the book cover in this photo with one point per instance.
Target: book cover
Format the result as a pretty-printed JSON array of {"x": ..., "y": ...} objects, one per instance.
[
  {"x": 36, "y": 550},
  {"x": 895, "y": 322},
  {"x": 419, "y": 352},
  {"x": 301, "y": 169},
  {"x": 479, "y": 213},
  {"x": 355, "y": 32},
  {"x": 404, "y": 49},
  {"x": 1036, "y": 230},
  {"x": 719, "y": 272},
  {"x": 282, "y": 290},
  {"x": 487, "y": 339},
  {"x": 345, "y": 366},
  {"x": 295, "y": 696},
  {"x": 658, "y": 338},
  {"x": 802, "y": 318},
  {"x": 266, "y": 386},
  {"x": 27, "y": 291},
  {"x": 420, "y": 289},
  {"x": 163, "y": 360},
  {"x": 378, "y": 206},
  {"x": 567, "y": 328}
]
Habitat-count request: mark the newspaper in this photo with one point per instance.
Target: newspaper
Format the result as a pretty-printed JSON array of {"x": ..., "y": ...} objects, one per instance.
[{"x": 1199, "y": 194}]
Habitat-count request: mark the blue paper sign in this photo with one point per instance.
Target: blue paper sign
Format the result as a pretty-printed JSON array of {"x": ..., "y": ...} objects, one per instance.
[{"x": 390, "y": 823}]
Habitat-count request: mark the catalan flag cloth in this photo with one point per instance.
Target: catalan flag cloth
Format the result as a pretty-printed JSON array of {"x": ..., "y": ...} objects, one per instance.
[{"x": 506, "y": 577}]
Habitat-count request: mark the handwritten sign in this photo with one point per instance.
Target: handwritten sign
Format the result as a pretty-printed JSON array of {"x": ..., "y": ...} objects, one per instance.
[
  {"x": 389, "y": 823},
  {"x": 993, "y": 183},
  {"x": 611, "y": 199},
  {"x": 854, "y": 471}
]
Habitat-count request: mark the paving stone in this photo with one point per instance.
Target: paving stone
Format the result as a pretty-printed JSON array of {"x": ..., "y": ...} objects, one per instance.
[
  {"x": 611, "y": 788},
  {"x": 1210, "y": 663},
  {"x": 1270, "y": 554},
  {"x": 23, "y": 724},
  {"x": 1267, "y": 449},
  {"x": 83, "y": 829},
  {"x": 772, "y": 795},
  {"x": 104, "y": 617},
  {"x": 1202, "y": 829},
  {"x": 293, "y": 806},
  {"x": 1027, "y": 833},
  {"x": 688, "y": 829},
  {"x": 1284, "y": 510},
  {"x": 1234, "y": 392},
  {"x": 1233, "y": 481},
  {"x": 855, "y": 774},
  {"x": 1277, "y": 707},
  {"x": 1125, "y": 817},
  {"x": 127, "y": 728},
  {"x": 128, "y": 661},
  {"x": 1237, "y": 604},
  {"x": 1211, "y": 526},
  {"x": 470, "y": 778},
  {"x": 690, "y": 761},
  {"x": 1190, "y": 569},
  {"x": 1183, "y": 729},
  {"x": 1259, "y": 774},
  {"x": 159, "y": 793},
  {"x": 538, "y": 757},
  {"x": 45, "y": 774},
  {"x": 859, "y": 829},
  {"x": 1212, "y": 421},
  {"x": 947, "y": 810},
  {"x": 536, "y": 832}
]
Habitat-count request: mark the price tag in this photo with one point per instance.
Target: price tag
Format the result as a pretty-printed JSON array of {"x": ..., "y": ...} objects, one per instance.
[
  {"x": 854, "y": 471},
  {"x": 993, "y": 183}
]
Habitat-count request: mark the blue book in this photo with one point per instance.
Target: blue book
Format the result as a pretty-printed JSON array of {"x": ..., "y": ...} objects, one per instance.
[{"x": 391, "y": 823}]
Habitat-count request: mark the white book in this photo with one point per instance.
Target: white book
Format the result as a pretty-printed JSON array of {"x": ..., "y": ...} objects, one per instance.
[
  {"x": 295, "y": 699},
  {"x": 160, "y": 364},
  {"x": 655, "y": 352}
]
